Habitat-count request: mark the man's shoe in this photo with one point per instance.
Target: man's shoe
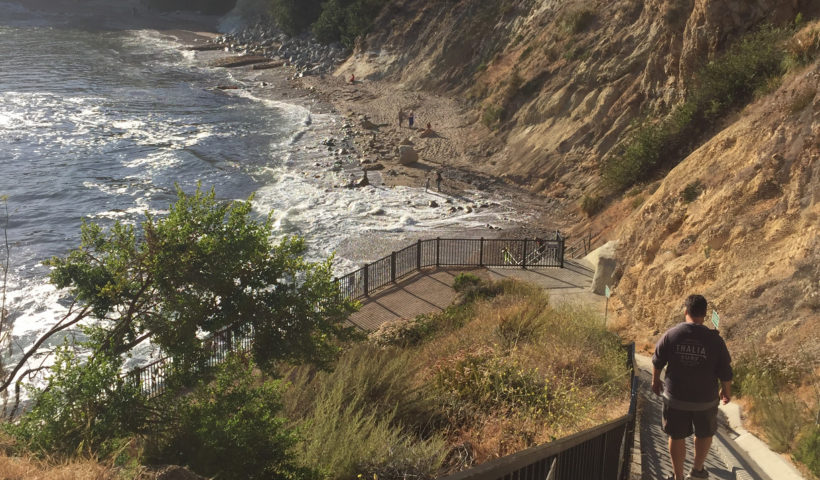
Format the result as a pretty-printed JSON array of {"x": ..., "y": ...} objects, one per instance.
[{"x": 695, "y": 474}]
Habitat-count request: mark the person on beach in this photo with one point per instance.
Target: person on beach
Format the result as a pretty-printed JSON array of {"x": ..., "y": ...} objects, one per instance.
[
  {"x": 411, "y": 118},
  {"x": 438, "y": 180},
  {"x": 352, "y": 79},
  {"x": 695, "y": 358},
  {"x": 401, "y": 117},
  {"x": 426, "y": 184}
]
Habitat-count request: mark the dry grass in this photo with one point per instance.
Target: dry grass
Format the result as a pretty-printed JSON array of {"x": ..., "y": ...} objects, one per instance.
[
  {"x": 567, "y": 346},
  {"x": 25, "y": 468}
]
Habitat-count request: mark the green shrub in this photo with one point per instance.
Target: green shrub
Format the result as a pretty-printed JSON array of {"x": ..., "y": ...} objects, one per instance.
[
  {"x": 691, "y": 191},
  {"x": 578, "y": 20},
  {"x": 295, "y": 16},
  {"x": 493, "y": 384},
  {"x": 592, "y": 204},
  {"x": 808, "y": 450},
  {"x": 232, "y": 428},
  {"x": 492, "y": 116},
  {"x": 466, "y": 280},
  {"x": 765, "y": 378},
  {"x": 366, "y": 416},
  {"x": 719, "y": 87},
  {"x": 346, "y": 20},
  {"x": 87, "y": 409}
]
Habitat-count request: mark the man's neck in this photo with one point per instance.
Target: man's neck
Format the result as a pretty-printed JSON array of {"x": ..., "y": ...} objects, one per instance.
[{"x": 695, "y": 320}]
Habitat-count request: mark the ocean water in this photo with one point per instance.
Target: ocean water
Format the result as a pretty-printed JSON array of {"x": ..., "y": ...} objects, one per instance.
[{"x": 102, "y": 124}]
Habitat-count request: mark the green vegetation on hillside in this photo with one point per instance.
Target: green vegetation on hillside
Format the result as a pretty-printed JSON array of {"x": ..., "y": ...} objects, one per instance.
[
  {"x": 331, "y": 20},
  {"x": 500, "y": 364},
  {"x": 217, "y": 7},
  {"x": 770, "y": 381},
  {"x": 751, "y": 65},
  {"x": 203, "y": 267}
]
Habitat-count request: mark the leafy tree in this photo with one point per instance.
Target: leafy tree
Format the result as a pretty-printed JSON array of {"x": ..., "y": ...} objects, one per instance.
[
  {"x": 295, "y": 16},
  {"x": 346, "y": 20},
  {"x": 204, "y": 267},
  {"x": 218, "y": 7}
]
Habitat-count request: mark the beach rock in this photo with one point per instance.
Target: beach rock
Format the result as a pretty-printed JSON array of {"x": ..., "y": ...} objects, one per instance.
[
  {"x": 432, "y": 204},
  {"x": 364, "y": 181},
  {"x": 406, "y": 141},
  {"x": 367, "y": 124},
  {"x": 375, "y": 166},
  {"x": 407, "y": 155}
]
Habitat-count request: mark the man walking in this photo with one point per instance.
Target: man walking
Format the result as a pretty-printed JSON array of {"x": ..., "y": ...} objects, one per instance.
[{"x": 696, "y": 358}]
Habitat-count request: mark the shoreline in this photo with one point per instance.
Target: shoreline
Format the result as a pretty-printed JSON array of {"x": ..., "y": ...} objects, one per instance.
[
  {"x": 368, "y": 107},
  {"x": 449, "y": 150}
]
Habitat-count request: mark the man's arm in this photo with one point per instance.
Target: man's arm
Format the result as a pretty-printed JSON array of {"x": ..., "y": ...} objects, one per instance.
[
  {"x": 657, "y": 384},
  {"x": 725, "y": 391}
]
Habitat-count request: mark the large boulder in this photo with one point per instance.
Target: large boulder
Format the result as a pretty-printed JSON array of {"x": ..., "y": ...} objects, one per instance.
[{"x": 407, "y": 155}]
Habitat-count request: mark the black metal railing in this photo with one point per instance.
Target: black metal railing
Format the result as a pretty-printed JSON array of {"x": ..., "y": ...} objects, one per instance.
[
  {"x": 452, "y": 252},
  {"x": 599, "y": 453},
  {"x": 580, "y": 247},
  {"x": 153, "y": 377}
]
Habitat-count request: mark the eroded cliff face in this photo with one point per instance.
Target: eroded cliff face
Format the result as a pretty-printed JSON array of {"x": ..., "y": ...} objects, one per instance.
[
  {"x": 559, "y": 83},
  {"x": 748, "y": 240}
]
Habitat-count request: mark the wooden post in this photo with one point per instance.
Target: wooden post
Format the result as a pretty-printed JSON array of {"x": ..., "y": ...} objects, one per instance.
[
  {"x": 438, "y": 246},
  {"x": 393, "y": 267},
  {"x": 418, "y": 255},
  {"x": 366, "y": 289},
  {"x": 524, "y": 256},
  {"x": 481, "y": 252}
]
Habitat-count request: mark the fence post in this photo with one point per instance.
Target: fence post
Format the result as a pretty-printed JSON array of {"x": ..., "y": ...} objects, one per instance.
[
  {"x": 418, "y": 255},
  {"x": 524, "y": 256},
  {"x": 438, "y": 244},
  {"x": 481, "y": 252},
  {"x": 366, "y": 289},
  {"x": 393, "y": 267},
  {"x": 561, "y": 246}
]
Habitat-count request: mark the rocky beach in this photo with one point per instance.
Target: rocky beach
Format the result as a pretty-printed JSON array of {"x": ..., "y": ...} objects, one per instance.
[{"x": 445, "y": 139}]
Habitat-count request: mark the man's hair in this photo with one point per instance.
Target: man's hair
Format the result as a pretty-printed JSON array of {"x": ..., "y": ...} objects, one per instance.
[{"x": 695, "y": 306}]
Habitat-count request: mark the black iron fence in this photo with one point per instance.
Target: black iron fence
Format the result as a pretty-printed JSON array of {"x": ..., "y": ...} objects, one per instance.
[
  {"x": 452, "y": 252},
  {"x": 599, "y": 453},
  {"x": 153, "y": 377}
]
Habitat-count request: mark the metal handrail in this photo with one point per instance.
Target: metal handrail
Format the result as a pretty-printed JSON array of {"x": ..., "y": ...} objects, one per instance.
[{"x": 452, "y": 252}]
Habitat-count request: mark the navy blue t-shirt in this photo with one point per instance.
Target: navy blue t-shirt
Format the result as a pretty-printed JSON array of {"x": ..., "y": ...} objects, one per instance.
[{"x": 695, "y": 358}]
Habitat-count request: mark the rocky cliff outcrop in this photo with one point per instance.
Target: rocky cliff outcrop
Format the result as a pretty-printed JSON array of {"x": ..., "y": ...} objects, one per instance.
[
  {"x": 560, "y": 81},
  {"x": 737, "y": 220}
]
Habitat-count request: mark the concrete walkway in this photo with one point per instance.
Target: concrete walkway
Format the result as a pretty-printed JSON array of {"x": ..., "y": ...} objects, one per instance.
[
  {"x": 425, "y": 292},
  {"x": 735, "y": 453}
]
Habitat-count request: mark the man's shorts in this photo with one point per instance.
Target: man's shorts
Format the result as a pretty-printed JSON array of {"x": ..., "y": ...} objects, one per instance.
[{"x": 678, "y": 423}]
